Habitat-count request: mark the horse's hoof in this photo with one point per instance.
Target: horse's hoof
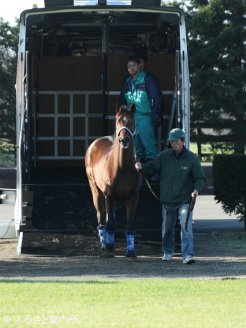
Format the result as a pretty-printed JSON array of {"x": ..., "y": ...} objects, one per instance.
[
  {"x": 107, "y": 254},
  {"x": 107, "y": 248},
  {"x": 131, "y": 254},
  {"x": 110, "y": 247}
]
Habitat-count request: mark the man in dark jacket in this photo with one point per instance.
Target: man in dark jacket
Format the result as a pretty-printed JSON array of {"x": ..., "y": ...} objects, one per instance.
[
  {"x": 142, "y": 89},
  {"x": 181, "y": 177}
]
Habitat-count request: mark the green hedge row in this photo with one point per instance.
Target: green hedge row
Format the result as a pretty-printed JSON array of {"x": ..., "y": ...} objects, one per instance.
[
  {"x": 229, "y": 174},
  {"x": 7, "y": 154}
]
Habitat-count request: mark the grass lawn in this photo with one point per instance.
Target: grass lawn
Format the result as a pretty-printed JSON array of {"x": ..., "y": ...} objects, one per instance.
[{"x": 126, "y": 303}]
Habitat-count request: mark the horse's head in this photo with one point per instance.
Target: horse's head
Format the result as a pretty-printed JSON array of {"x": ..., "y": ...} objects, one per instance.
[{"x": 125, "y": 124}]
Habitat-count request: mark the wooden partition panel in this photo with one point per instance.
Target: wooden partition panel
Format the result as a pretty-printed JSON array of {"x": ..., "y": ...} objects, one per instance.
[
  {"x": 69, "y": 106},
  {"x": 70, "y": 73},
  {"x": 69, "y": 109},
  {"x": 162, "y": 66}
]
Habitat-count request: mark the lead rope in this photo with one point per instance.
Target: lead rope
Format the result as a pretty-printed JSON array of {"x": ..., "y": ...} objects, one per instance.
[
  {"x": 154, "y": 194},
  {"x": 151, "y": 190}
]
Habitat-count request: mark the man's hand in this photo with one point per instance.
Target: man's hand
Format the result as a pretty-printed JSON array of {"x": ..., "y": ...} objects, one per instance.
[
  {"x": 138, "y": 166},
  {"x": 194, "y": 193}
]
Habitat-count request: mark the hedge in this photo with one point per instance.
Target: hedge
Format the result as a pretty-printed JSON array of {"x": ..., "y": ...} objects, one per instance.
[
  {"x": 7, "y": 154},
  {"x": 229, "y": 174}
]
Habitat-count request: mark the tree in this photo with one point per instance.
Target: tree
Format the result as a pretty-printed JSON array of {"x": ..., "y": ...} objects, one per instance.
[
  {"x": 8, "y": 56},
  {"x": 230, "y": 184},
  {"x": 217, "y": 60}
]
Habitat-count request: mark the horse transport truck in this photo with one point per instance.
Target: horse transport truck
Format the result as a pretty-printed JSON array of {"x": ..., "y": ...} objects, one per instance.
[{"x": 70, "y": 70}]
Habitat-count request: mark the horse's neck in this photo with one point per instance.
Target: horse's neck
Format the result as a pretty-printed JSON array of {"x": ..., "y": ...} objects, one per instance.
[{"x": 123, "y": 158}]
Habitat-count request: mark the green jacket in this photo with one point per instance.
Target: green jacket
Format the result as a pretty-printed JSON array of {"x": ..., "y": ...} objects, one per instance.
[
  {"x": 179, "y": 176},
  {"x": 137, "y": 94}
]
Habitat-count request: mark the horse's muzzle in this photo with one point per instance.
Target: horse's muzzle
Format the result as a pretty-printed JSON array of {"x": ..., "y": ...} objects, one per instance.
[{"x": 124, "y": 142}]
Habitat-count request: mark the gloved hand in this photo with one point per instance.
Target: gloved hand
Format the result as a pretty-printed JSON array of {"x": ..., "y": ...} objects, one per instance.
[
  {"x": 138, "y": 166},
  {"x": 194, "y": 193}
]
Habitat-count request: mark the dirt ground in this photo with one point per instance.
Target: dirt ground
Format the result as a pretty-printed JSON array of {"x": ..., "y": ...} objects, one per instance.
[{"x": 76, "y": 257}]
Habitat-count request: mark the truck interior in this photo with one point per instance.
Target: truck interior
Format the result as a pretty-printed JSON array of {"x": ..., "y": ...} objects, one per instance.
[
  {"x": 76, "y": 68},
  {"x": 75, "y": 65}
]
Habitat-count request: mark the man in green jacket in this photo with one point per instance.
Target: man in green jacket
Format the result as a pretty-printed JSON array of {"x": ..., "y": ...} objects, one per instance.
[
  {"x": 181, "y": 177},
  {"x": 143, "y": 90}
]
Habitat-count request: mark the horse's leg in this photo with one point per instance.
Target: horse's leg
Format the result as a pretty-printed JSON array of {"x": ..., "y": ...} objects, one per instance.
[
  {"x": 110, "y": 223},
  {"x": 99, "y": 203},
  {"x": 131, "y": 205}
]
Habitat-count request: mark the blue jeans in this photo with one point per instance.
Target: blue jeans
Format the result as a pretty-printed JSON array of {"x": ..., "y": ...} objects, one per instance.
[{"x": 169, "y": 216}]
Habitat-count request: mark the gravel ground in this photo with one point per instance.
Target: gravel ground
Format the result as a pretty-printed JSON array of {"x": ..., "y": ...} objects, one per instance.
[{"x": 75, "y": 257}]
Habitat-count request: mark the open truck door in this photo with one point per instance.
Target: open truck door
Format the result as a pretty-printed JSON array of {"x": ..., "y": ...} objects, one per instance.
[
  {"x": 7, "y": 202},
  {"x": 71, "y": 66}
]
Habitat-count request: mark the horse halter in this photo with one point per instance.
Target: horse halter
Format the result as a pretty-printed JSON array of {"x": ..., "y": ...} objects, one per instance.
[
  {"x": 127, "y": 129},
  {"x": 124, "y": 141}
]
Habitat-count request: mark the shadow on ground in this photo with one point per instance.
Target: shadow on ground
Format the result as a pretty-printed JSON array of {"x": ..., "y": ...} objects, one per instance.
[{"x": 220, "y": 255}]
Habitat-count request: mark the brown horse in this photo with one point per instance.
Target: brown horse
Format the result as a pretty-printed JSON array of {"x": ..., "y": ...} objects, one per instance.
[{"x": 110, "y": 168}]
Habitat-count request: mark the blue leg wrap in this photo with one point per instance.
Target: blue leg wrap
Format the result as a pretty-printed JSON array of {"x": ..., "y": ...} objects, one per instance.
[
  {"x": 109, "y": 239},
  {"x": 101, "y": 233},
  {"x": 130, "y": 252}
]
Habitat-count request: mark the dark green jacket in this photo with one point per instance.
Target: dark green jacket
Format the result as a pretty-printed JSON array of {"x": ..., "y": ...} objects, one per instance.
[{"x": 179, "y": 176}]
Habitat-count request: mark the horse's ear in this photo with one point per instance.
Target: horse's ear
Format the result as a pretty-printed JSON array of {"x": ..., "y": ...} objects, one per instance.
[
  {"x": 132, "y": 108},
  {"x": 117, "y": 108},
  {"x": 120, "y": 108}
]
